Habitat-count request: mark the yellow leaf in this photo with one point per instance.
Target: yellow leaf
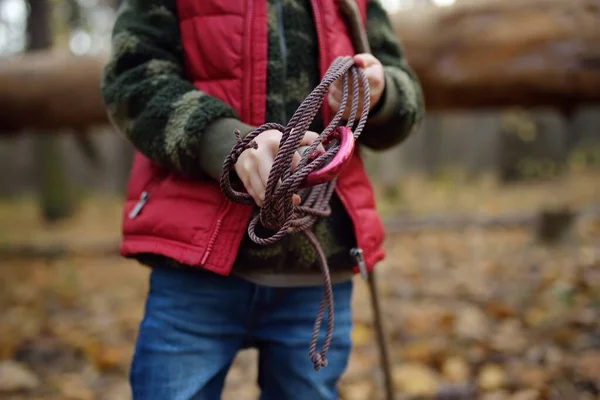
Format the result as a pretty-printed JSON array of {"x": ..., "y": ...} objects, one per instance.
[
  {"x": 528, "y": 394},
  {"x": 73, "y": 387},
  {"x": 530, "y": 376},
  {"x": 357, "y": 391},
  {"x": 422, "y": 351},
  {"x": 456, "y": 370},
  {"x": 491, "y": 377},
  {"x": 415, "y": 379},
  {"x": 361, "y": 335},
  {"x": 496, "y": 395}
]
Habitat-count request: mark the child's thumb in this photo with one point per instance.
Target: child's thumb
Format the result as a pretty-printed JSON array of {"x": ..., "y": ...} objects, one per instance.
[{"x": 364, "y": 60}]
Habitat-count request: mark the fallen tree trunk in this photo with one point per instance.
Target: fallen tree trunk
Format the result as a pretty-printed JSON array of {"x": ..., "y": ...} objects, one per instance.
[
  {"x": 489, "y": 54},
  {"x": 51, "y": 90},
  {"x": 503, "y": 53}
]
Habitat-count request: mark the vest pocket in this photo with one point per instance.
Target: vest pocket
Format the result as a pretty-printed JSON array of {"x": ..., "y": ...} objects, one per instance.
[{"x": 145, "y": 195}]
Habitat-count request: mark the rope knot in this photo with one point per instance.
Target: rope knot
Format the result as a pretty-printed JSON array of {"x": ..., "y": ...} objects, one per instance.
[{"x": 318, "y": 361}]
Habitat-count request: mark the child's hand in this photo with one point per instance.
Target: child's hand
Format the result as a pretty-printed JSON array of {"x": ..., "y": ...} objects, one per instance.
[
  {"x": 253, "y": 166},
  {"x": 376, "y": 77}
]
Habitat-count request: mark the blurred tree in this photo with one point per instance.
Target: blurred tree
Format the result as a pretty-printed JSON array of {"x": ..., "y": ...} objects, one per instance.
[
  {"x": 74, "y": 21},
  {"x": 126, "y": 151},
  {"x": 532, "y": 145},
  {"x": 55, "y": 198}
]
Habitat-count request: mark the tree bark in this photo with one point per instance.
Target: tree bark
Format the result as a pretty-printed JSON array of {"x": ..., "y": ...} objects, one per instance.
[
  {"x": 503, "y": 53},
  {"x": 489, "y": 54},
  {"x": 51, "y": 90}
]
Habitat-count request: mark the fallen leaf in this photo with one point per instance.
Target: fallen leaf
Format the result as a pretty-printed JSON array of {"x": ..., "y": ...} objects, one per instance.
[
  {"x": 361, "y": 334},
  {"x": 509, "y": 337},
  {"x": 529, "y": 376},
  {"x": 535, "y": 316},
  {"x": 74, "y": 387},
  {"x": 422, "y": 351},
  {"x": 477, "y": 353},
  {"x": 415, "y": 379},
  {"x": 447, "y": 321},
  {"x": 491, "y": 377},
  {"x": 499, "y": 310},
  {"x": 496, "y": 395},
  {"x": 587, "y": 396},
  {"x": 456, "y": 370},
  {"x": 8, "y": 342},
  {"x": 113, "y": 357},
  {"x": 472, "y": 323},
  {"x": 118, "y": 391},
  {"x": 360, "y": 367},
  {"x": 554, "y": 359},
  {"x": 588, "y": 366},
  {"x": 528, "y": 394},
  {"x": 422, "y": 320},
  {"x": 16, "y": 377},
  {"x": 356, "y": 391}
]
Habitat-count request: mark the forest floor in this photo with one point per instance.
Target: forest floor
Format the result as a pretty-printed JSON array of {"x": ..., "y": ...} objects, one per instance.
[{"x": 490, "y": 312}]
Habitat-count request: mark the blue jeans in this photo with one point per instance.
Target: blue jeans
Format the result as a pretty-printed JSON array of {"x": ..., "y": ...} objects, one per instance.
[{"x": 196, "y": 321}]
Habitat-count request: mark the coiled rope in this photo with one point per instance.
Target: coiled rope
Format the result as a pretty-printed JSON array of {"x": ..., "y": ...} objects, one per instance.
[{"x": 278, "y": 212}]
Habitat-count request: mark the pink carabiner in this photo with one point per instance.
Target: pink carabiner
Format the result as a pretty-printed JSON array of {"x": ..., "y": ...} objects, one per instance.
[{"x": 339, "y": 161}]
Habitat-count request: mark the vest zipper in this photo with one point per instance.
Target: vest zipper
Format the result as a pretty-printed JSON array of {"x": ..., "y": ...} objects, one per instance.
[
  {"x": 215, "y": 233},
  {"x": 283, "y": 50}
]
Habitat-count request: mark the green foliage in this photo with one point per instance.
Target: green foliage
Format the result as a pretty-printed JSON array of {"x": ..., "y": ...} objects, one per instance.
[
  {"x": 585, "y": 155},
  {"x": 538, "y": 168}
]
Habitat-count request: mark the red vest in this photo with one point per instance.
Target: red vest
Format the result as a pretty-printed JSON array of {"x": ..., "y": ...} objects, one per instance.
[{"x": 225, "y": 47}]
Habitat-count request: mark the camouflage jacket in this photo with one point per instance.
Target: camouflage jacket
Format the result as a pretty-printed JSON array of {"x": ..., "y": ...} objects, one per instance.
[{"x": 144, "y": 87}]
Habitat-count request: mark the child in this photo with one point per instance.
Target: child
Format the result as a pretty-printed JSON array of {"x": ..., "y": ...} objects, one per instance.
[{"x": 183, "y": 75}]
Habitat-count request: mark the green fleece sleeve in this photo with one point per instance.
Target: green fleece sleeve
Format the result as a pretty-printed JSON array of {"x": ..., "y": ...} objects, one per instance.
[
  {"x": 216, "y": 144},
  {"x": 401, "y": 108},
  {"x": 149, "y": 99}
]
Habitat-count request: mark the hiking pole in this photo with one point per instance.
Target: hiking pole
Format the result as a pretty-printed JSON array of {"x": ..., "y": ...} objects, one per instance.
[
  {"x": 381, "y": 339},
  {"x": 350, "y": 12}
]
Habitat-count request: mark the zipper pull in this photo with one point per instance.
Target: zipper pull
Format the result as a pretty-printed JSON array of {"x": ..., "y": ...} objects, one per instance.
[
  {"x": 357, "y": 253},
  {"x": 139, "y": 205}
]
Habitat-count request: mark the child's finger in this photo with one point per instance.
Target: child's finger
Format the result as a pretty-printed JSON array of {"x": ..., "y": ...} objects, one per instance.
[
  {"x": 309, "y": 138},
  {"x": 375, "y": 75},
  {"x": 258, "y": 188},
  {"x": 365, "y": 60},
  {"x": 295, "y": 161},
  {"x": 337, "y": 85},
  {"x": 252, "y": 193},
  {"x": 247, "y": 180},
  {"x": 334, "y": 103},
  {"x": 264, "y": 169},
  {"x": 334, "y": 97},
  {"x": 296, "y": 199}
]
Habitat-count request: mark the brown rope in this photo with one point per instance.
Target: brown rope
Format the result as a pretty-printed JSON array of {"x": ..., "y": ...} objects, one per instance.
[{"x": 278, "y": 212}]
